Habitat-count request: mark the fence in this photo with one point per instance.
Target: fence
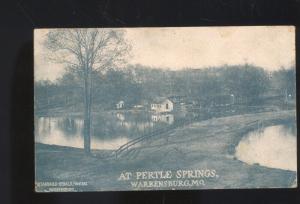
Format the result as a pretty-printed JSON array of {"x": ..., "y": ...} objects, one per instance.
[{"x": 176, "y": 124}]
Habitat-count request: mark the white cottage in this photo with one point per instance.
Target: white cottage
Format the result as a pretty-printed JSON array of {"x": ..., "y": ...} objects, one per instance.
[
  {"x": 162, "y": 105},
  {"x": 120, "y": 105}
]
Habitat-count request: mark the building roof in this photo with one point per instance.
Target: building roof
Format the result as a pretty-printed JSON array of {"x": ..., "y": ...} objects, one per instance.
[{"x": 159, "y": 100}]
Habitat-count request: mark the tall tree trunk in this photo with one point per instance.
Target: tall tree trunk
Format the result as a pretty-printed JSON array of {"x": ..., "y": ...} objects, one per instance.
[{"x": 87, "y": 112}]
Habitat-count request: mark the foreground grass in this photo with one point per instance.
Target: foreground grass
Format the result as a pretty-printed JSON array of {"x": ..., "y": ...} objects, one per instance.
[{"x": 208, "y": 144}]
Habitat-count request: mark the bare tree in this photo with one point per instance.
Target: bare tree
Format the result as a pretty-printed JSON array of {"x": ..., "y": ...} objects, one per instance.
[{"x": 85, "y": 52}]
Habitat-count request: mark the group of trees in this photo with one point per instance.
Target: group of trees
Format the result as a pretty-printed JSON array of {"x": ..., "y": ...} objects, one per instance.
[
  {"x": 135, "y": 84},
  {"x": 247, "y": 83}
]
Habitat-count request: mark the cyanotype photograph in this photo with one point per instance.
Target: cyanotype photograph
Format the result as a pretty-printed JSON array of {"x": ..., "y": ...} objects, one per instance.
[{"x": 165, "y": 108}]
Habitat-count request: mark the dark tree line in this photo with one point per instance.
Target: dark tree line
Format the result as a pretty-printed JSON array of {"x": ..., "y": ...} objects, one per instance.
[{"x": 248, "y": 84}]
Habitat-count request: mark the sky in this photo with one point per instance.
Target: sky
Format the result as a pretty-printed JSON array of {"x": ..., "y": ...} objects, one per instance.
[{"x": 193, "y": 47}]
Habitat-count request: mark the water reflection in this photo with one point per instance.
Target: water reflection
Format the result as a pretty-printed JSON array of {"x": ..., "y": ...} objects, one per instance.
[
  {"x": 109, "y": 130},
  {"x": 273, "y": 146},
  {"x": 165, "y": 118},
  {"x": 68, "y": 132}
]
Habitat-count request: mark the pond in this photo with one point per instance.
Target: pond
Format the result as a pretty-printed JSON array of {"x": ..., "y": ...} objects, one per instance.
[
  {"x": 273, "y": 146},
  {"x": 109, "y": 130}
]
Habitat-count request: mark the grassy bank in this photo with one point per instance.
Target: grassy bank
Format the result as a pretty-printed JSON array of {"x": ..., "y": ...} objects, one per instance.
[{"x": 208, "y": 144}]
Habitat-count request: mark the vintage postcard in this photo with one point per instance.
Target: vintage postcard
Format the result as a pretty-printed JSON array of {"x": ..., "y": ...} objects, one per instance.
[{"x": 172, "y": 108}]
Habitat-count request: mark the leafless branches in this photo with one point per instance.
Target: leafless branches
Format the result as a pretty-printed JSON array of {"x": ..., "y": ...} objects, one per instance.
[{"x": 88, "y": 49}]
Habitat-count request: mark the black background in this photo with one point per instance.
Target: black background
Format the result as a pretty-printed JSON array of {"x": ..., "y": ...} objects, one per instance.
[{"x": 17, "y": 20}]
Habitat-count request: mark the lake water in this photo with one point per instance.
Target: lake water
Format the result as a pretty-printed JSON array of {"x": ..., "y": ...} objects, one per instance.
[
  {"x": 274, "y": 146},
  {"x": 108, "y": 130}
]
